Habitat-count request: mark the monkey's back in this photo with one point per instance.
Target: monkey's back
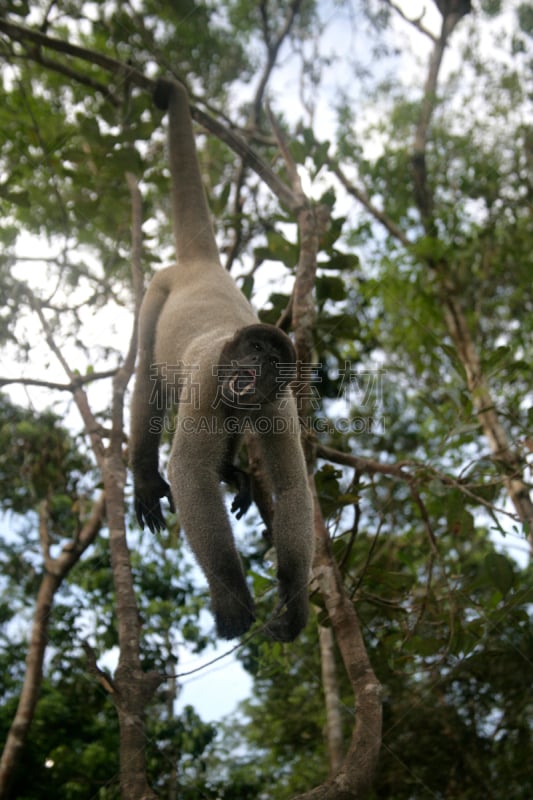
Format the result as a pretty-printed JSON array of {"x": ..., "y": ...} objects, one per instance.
[{"x": 202, "y": 300}]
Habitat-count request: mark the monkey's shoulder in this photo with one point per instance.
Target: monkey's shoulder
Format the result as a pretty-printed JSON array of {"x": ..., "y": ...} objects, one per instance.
[
  {"x": 193, "y": 360},
  {"x": 194, "y": 309}
]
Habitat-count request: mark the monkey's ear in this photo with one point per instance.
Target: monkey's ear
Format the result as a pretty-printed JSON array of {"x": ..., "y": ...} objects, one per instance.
[{"x": 163, "y": 90}]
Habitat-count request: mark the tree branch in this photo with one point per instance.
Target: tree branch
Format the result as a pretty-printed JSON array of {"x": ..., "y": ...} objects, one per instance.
[
  {"x": 136, "y": 265},
  {"x": 79, "y": 380},
  {"x": 367, "y": 465},
  {"x": 125, "y": 71},
  {"x": 101, "y": 676},
  {"x": 416, "y": 23},
  {"x": 423, "y": 193},
  {"x": 272, "y": 50},
  {"x": 360, "y": 195},
  {"x": 356, "y": 774},
  {"x": 92, "y": 428},
  {"x": 242, "y": 149},
  {"x": 74, "y": 75},
  {"x": 136, "y": 78}
]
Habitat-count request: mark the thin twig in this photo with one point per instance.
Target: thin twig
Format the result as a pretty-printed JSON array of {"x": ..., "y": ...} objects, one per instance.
[
  {"x": 79, "y": 380},
  {"x": 360, "y": 195},
  {"x": 416, "y": 23}
]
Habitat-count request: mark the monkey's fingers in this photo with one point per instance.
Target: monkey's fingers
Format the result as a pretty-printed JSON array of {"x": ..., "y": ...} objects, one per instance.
[
  {"x": 241, "y": 503},
  {"x": 236, "y": 507},
  {"x": 149, "y": 514}
]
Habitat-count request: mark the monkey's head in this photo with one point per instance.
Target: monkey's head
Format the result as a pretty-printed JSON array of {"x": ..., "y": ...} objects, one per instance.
[{"x": 256, "y": 365}]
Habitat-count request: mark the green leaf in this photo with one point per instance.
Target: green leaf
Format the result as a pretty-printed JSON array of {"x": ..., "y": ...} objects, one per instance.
[
  {"x": 500, "y": 571},
  {"x": 247, "y": 286},
  {"x": 341, "y": 261},
  {"x": 330, "y": 287}
]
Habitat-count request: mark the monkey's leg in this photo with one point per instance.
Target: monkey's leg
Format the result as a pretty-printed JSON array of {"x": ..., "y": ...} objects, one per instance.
[
  {"x": 292, "y": 532},
  {"x": 194, "y": 477}
]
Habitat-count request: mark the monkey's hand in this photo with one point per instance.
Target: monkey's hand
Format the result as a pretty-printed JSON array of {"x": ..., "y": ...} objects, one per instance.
[
  {"x": 147, "y": 506},
  {"x": 243, "y": 499},
  {"x": 242, "y": 481}
]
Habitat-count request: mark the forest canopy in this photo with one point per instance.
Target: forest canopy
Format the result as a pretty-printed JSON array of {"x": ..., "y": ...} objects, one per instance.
[{"x": 369, "y": 170}]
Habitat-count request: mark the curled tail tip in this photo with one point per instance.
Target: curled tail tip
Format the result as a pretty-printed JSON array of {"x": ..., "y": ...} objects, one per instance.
[
  {"x": 165, "y": 90},
  {"x": 162, "y": 92}
]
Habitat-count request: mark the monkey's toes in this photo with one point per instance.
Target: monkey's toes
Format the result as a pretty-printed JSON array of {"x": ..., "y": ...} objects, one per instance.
[
  {"x": 234, "y": 623},
  {"x": 285, "y": 627}
]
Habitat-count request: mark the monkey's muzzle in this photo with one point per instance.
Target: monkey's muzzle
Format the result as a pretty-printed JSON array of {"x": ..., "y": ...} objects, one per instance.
[{"x": 243, "y": 382}]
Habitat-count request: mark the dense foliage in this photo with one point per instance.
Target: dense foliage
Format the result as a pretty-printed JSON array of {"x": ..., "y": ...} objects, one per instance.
[{"x": 433, "y": 549}]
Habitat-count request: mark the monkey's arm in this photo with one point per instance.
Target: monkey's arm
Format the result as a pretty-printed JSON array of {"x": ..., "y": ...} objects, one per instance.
[{"x": 148, "y": 412}]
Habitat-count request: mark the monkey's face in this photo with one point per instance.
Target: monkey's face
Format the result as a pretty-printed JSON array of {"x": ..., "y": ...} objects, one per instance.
[{"x": 256, "y": 366}]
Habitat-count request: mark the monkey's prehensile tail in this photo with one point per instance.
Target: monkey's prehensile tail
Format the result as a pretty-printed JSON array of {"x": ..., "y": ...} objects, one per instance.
[{"x": 193, "y": 232}]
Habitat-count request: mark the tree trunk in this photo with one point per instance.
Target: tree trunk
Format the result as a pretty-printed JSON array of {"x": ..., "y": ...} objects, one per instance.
[
  {"x": 487, "y": 414},
  {"x": 332, "y": 700},
  {"x": 355, "y": 777},
  {"x": 132, "y": 687},
  {"x": 55, "y": 571},
  {"x": 18, "y": 732}
]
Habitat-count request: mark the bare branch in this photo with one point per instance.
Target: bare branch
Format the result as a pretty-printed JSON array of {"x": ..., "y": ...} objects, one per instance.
[
  {"x": 253, "y": 125},
  {"x": 75, "y": 75},
  {"x": 136, "y": 262},
  {"x": 103, "y": 678},
  {"x": 416, "y": 23},
  {"x": 91, "y": 425},
  {"x": 44, "y": 538},
  {"x": 233, "y": 249},
  {"x": 79, "y": 380},
  {"x": 290, "y": 164},
  {"x": 355, "y": 775},
  {"x": 423, "y": 193},
  {"x": 367, "y": 465},
  {"x": 273, "y": 48},
  {"x": 330, "y": 687},
  {"x": 243, "y": 149},
  {"x": 360, "y": 195},
  {"x": 124, "y": 373},
  {"x": 425, "y": 518}
]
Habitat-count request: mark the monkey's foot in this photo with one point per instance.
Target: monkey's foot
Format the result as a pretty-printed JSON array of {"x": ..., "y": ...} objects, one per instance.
[
  {"x": 234, "y": 617},
  {"x": 289, "y": 619}
]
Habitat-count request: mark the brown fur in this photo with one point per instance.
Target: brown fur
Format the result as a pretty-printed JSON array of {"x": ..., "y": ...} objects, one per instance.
[{"x": 198, "y": 332}]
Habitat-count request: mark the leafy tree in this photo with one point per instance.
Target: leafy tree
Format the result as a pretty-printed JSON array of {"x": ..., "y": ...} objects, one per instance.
[{"x": 398, "y": 251}]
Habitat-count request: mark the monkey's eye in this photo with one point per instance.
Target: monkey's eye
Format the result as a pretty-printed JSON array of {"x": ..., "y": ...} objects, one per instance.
[
  {"x": 257, "y": 346},
  {"x": 273, "y": 361}
]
